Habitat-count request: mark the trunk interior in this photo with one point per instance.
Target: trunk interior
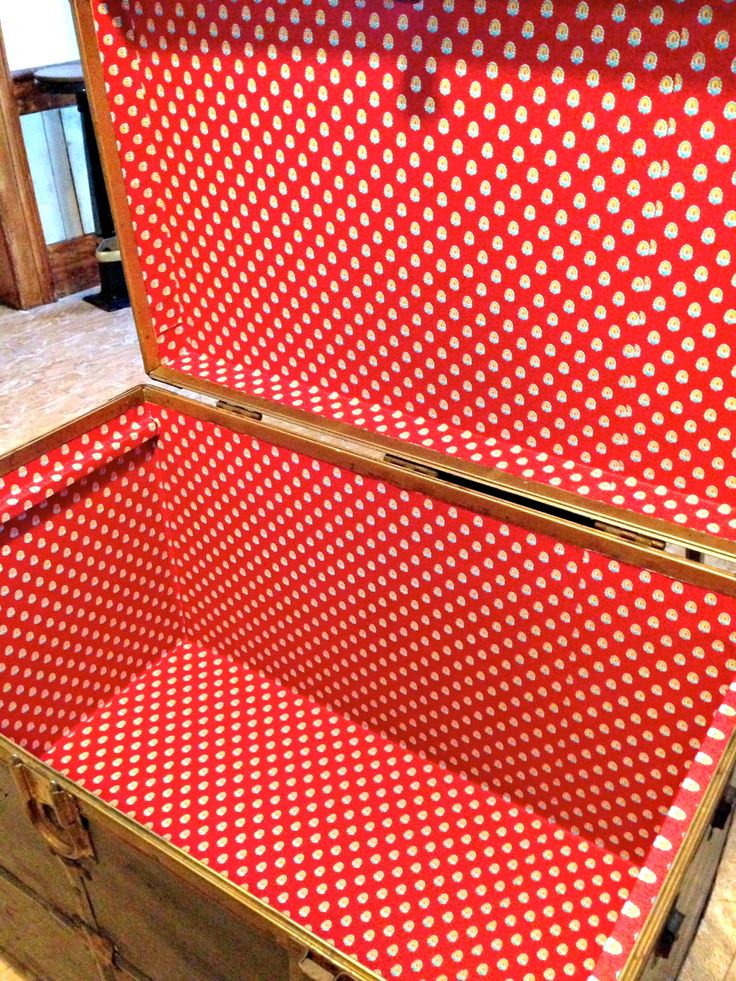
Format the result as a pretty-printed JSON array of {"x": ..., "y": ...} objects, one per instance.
[{"x": 445, "y": 744}]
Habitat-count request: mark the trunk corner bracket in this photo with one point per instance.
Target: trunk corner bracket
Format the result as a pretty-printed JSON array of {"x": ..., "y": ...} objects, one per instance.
[{"x": 54, "y": 813}]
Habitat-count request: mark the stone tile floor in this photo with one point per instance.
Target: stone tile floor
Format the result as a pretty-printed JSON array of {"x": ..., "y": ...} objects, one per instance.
[{"x": 60, "y": 361}]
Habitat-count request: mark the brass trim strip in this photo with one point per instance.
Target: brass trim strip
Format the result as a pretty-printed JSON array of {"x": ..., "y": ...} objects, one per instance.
[
  {"x": 496, "y": 481},
  {"x": 347, "y": 455}
]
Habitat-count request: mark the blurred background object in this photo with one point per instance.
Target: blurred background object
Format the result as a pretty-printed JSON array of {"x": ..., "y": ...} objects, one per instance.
[{"x": 54, "y": 210}]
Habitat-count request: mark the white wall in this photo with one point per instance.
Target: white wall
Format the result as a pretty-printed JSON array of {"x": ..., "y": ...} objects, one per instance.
[{"x": 38, "y": 32}]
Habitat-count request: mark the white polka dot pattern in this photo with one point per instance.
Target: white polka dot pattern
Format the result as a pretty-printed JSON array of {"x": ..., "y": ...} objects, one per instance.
[
  {"x": 28, "y": 486},
  {"x": 503, "y": 231},
  {"x": 664, "y": 849},
  {"x": 76, "y": 572},
  {"x": 450, "y": 747},
  {"x": 544, "y": 670},
  {"x": 409, "y": 867}
]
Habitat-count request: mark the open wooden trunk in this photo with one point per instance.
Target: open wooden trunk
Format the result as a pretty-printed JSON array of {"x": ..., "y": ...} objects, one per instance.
[{"x": 414, "y": 655}]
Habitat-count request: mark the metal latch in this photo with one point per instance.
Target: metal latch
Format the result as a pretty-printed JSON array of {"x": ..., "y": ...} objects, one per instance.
[
  {"x": 668, "y": 937},
  {"x": 635, "y": 537},
  {"x": 723, "y": 810},
  {"x": 240, "y": 410},
  {"x": 54, "y": 813},
  {"x": 319, "y": 969}
]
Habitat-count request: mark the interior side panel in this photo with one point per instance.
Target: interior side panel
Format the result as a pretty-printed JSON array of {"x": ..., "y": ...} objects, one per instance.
[
  {"x": 577, "y": 684},
  {"x": 352, "y": 836},
  {"x": 87, "y": 596}
]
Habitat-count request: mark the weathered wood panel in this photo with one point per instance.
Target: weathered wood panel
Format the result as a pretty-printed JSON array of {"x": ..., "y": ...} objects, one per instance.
[
  {"x": 23, "y": 853},
  {"x": 73, "y": 265},
  {"x": 41, "y": 943},
  {"x": 168, "y": 929}
]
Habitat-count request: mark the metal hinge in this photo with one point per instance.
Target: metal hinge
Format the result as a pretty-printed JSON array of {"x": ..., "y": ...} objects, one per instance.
[
  {"x": 54, "y": 813},
  {"x": 240, "y": 410},
  {"x": 500, "y": 494},
  {"x": 411, "y": 466},
  {"x": 635, "y": 537}
]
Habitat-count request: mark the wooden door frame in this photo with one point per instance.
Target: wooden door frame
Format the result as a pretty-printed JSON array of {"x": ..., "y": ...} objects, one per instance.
[
  {"x": 31, "y": 272},
  {"x": 26, "y": 278}
]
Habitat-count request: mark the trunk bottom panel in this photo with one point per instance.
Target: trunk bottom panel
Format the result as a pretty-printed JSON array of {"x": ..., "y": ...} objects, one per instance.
[{"x": 409, "y": 867}]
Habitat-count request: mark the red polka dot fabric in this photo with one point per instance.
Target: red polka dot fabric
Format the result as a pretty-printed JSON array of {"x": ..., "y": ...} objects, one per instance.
[
  {"x": 449, "y": 747},
  {"x": 409, "y": 867},
  {"x": 498, "y": 230},
  {"x": 85, "y": 599},
  {"x": 547, "y": 671},
  {"x": 49, "y": 473}
]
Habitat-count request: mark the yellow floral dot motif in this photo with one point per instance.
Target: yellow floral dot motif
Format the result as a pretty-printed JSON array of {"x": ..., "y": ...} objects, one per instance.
[
  {"x": 472, "y": 221},
  {"x": 448, "y": 745}
]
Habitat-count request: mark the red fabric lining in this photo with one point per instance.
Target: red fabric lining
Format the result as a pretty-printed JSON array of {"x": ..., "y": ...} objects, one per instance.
[
  {"x": 92, "y": 451},
  {"x": 536, "y": 699},
  {"x": 669, "y": 839},
  {"x": 408, "y": 867},
  {"x": 87, "y": 599},
  {"x": 712, "y": 516},
  {"x": 598, "y": 679},
  {"x": 473, "y": 226}
]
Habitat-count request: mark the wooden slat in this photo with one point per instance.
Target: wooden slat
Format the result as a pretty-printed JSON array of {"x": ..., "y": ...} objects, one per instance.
[
  {"x": 41, "y": 942},
  {"x": 73, "y": 265},
  {"x": 107, "y": 143},
  {"x": 26, "y": 253},
  {"x": 22, "y": 455}
]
